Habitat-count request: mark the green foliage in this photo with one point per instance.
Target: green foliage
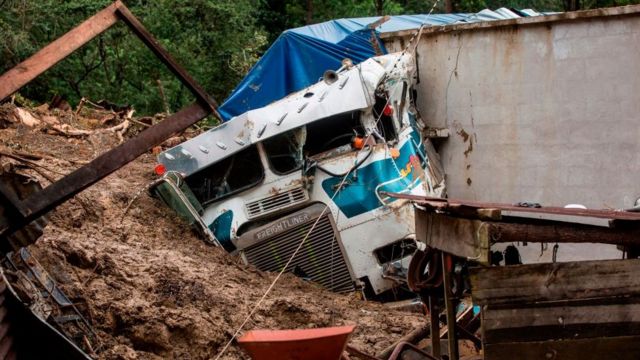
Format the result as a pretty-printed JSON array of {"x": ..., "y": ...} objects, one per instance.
[
  {"x": 279, "y": 15},
  {"x": 217, "y": 41}
]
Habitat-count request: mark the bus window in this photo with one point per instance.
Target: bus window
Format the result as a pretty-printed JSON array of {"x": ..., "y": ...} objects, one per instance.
[
  {"x": 332, "y": 132},
  {"x": 384, "y": 120},
  {"x": 285, "y": 151},
  {"x": 229, "y": 176}
]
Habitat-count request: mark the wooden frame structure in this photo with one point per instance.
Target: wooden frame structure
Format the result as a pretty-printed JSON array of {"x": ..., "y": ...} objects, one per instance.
[{"x": 570, "y": 310}]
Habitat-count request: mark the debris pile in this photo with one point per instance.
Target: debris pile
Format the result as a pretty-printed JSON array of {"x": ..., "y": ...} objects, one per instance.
[{"x": 152, "y": 289}]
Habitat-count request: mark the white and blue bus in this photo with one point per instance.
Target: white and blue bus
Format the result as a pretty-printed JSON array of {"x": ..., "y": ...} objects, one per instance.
[{"x": 256, "y": 184}]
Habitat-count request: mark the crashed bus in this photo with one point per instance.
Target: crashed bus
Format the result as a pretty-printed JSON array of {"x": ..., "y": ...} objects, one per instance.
[{"x": 325, "y": 155}]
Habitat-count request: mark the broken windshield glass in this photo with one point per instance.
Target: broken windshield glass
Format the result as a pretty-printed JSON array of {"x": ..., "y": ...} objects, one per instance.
[
  {"x": 284, "y": 151},
  {"x": 332, "y": 132},
  {"x": 229, "y": 176}
]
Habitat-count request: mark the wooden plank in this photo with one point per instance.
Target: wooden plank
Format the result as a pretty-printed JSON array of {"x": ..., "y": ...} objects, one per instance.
[
  {"x": 557, "y": 281},
  {"x": 560, "y": 322},
  {"x": 460, "y": 237},
  {"x": 561, "y": 315},
  {"x": 558, "y": 232},
  {"x": 23, "y": 73},
  {"x": 452, "y": 339},
  {"x": 619, "y": 348},
  {"x": 558, "y": 332}
]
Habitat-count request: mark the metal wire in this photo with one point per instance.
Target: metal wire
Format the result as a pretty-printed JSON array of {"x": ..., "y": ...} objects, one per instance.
[{"x": 264, "y": 296}]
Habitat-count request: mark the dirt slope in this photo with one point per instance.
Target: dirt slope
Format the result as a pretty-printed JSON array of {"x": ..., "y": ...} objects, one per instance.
[{"x": 153, "y": 289}]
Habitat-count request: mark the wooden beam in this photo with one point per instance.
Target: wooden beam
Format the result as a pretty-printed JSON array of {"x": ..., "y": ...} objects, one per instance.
[
  {"x": 23, "y": 73},
  {"x": 452, "y": 338},
  {"x": 527, "y": 284},
  {"x": 557, "y": 232},
  {"x": 460, "y": 237},
  {"x": 472, "y": 239},
  {"x": 564, "y": 321},
  {"x": 434, "y": 324},
  {"x": 619, "y": 348}
]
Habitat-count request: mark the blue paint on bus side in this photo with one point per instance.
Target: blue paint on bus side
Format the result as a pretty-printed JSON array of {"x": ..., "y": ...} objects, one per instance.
[
  {"x": 358, "y": 194},
  {"x": 221, "y": 228}
]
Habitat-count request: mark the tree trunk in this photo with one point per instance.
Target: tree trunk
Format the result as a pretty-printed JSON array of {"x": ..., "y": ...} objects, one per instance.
[
  {"x": 448, "y": 6},
  {"x": 379, "y": 7},
  {"x": 572, "y": 5},
  {"x": 309, "y": 12}
]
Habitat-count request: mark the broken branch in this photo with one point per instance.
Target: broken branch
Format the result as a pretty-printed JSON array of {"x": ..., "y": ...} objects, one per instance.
[
  {"x": 139, "y": 122},
  {"x": 26, "y": 161}
]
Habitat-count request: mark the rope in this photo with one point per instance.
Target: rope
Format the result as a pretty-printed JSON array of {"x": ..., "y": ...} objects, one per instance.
[
  {"x": 342, "y": 182},
  {"x": 284, "y": 268}
]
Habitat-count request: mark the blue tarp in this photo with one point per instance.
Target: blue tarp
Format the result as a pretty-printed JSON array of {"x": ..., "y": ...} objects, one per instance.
[{"x": 300, "y": 56}]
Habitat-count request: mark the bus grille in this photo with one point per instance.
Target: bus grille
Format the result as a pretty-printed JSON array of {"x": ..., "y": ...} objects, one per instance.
[
  {"x": 277, "y": 202},
  {"x": 320, "y": 258}
]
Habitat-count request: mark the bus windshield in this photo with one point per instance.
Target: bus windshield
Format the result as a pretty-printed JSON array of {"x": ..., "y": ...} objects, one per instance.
[
  {"x": 284, "y": 151},
  {"x": 229, "y": 176}
]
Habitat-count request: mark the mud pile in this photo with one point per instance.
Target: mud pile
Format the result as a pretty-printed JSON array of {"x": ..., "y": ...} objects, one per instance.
[{"x": 153, "y": 289}]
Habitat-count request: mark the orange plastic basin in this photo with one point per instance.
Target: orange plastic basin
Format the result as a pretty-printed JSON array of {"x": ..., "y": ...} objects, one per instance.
[{"x": 298, "y": 344}]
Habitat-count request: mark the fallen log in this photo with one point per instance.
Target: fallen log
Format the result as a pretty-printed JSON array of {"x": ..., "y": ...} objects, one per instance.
[{"x": 66, "y": 130}]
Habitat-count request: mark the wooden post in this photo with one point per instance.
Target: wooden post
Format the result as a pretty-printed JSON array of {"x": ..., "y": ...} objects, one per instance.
[
  {"x": 434, "y": 323},
  {"x": 451, "y": 311}
]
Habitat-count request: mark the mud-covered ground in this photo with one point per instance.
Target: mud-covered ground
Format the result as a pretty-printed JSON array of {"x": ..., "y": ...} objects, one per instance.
[{"x": 154, "y": 290}]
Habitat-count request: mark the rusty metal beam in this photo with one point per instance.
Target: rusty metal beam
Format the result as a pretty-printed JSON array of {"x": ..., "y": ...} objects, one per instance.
[
  {"x": 55, "y": 194},
  {"x": 24, "y": 211},
  {"x": 47, "y": 57},
  {"x": 153, "y": 44},
  {"x": 23, "y": 73}
]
